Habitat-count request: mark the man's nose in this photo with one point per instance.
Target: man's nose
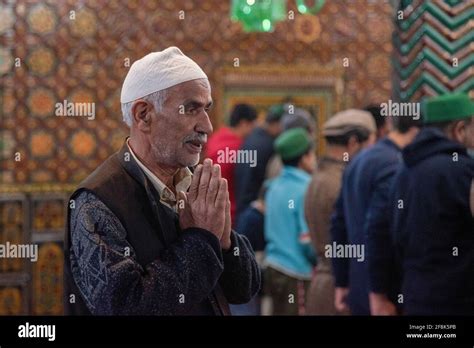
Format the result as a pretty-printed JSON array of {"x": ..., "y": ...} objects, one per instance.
[{"x": 204, "y": 125}]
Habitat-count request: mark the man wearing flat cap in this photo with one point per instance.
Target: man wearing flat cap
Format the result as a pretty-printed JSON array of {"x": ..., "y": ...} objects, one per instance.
[
  {"x": 346, "y": 133},
  {"x": 145, "y": 236},
  {"x": 289, "y": 256},
  {"x": 434, "y": 232}
]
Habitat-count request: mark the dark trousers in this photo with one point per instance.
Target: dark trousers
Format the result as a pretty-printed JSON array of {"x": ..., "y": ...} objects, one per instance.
[{"x": 288, "y": 294}]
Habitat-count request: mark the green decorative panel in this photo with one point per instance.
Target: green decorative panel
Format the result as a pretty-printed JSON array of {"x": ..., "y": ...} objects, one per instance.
[{"x": 433, "y": 48}]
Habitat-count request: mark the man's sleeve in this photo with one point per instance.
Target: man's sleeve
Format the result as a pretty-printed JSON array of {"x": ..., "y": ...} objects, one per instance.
[
  {"x": 339, "y": 236},
  {"x": 380, "y": 250},
  {"x": 112, "y": 282},
  {"x": 241, "y": 278}
]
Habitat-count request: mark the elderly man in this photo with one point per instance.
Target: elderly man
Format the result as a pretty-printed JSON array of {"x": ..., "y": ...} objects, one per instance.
[{"x": 145, "y": 236}]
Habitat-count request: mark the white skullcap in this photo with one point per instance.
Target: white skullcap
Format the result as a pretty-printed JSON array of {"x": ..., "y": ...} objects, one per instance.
[{"x": 157, "y": 71}]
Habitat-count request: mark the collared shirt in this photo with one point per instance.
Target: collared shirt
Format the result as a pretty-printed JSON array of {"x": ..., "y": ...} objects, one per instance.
[
  {"x": 181, "y": 182},
  {"x": 288, "y": 249}
]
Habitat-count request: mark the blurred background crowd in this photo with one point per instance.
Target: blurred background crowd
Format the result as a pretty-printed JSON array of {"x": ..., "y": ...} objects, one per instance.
[{"x": 381, "y": 225}]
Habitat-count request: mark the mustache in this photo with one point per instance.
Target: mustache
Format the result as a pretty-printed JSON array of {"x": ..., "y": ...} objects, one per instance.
[{"x": 201, "y": 137}]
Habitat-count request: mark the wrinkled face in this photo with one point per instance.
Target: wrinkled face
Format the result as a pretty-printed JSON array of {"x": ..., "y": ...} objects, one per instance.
[{"x": 180, "y": 130}]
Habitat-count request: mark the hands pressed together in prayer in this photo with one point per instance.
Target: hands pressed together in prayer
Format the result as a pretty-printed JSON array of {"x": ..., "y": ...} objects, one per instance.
[{"x": 207, "y": 203}]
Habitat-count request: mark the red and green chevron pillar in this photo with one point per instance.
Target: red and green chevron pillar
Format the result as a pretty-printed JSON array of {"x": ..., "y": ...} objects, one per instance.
[{"x": 433, "y": 48}]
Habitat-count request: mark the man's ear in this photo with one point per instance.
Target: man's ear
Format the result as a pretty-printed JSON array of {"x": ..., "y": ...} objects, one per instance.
[
  {"x": 141, "y": 113},
  {"x": 459, "y": 131}
]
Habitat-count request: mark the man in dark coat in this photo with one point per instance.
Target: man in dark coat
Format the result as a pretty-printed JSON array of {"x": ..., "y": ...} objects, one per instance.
[
  {"x": 145, "y": 235},
  {"x": 433, "y": 208},
  {"x": 249, "y": 179},
  {"x": 384, "y": 277},
  {"x": 364, "y": 189}
]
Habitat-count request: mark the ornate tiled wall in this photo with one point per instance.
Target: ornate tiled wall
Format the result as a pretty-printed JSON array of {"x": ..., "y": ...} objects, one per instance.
[
  {"x": 83, "y": 60},
  {"x": 78, "y": 51},
  {"x": 434, "y": 51}
]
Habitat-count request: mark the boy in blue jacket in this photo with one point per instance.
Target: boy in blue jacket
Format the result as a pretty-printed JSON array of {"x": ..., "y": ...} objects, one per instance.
[{"x": 289, "y": 256}]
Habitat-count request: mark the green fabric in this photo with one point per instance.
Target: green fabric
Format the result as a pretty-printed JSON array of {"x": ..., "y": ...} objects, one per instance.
[
  {"x": 448, "y": 107},
  {"x": 292, "y": 143}
]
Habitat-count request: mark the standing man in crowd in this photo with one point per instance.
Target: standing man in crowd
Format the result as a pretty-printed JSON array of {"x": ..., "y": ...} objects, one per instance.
[
  {"x": 229, "y": 140},
  {"x": 288, "y": 254},
  {"x": 248, "y": 180},
  {"x": 384, "y": 278},
  {"x": 364, "y": 188},
  {"x": 145, "y": 236},
  {"x": 346, "y": 133},
  {"x": 433, "y": 209}
]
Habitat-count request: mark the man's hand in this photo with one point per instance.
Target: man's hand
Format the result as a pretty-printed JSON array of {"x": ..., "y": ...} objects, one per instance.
[
  {"x": 381, "y": 305},
  {"x": 340, "y": 298},
  {"x": 205, "y": 204}
]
